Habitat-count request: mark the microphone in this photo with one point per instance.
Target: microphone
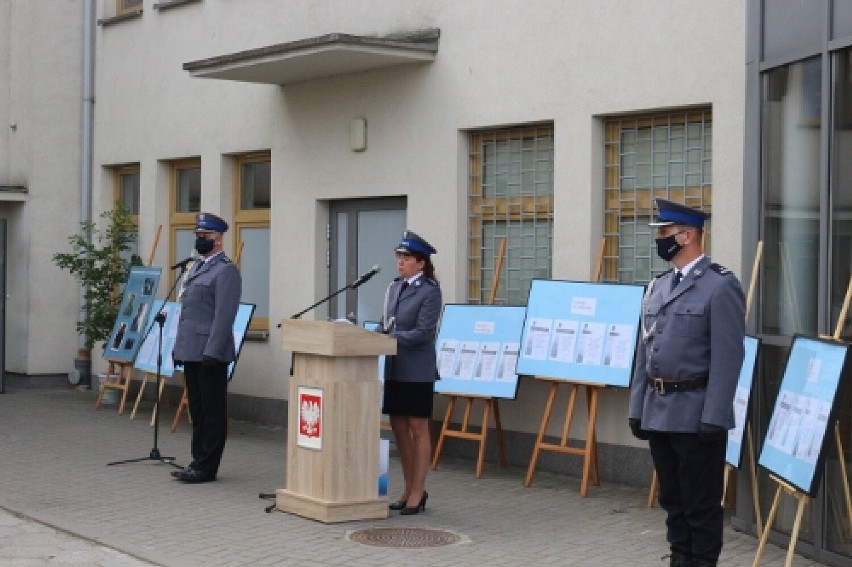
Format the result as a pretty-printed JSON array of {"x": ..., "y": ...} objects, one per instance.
[
  {"x": 373, "y": 271},
  {"x": 182, "y": 264}
]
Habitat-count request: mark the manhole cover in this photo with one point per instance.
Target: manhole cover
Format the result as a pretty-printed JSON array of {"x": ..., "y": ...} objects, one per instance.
[{"x": 404, "y": 537}]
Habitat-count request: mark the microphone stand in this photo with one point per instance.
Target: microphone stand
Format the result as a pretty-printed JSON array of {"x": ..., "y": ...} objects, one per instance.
[
  {"x": 353, "y": 285},
  {"x": 160, "y": 319}
]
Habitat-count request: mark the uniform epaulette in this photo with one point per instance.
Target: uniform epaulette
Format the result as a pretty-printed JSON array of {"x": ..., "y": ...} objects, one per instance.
[
  {"x": 430, "y": 281},
  {"x": 721, "y": 270},
  {"x": 658, "y": 276}
]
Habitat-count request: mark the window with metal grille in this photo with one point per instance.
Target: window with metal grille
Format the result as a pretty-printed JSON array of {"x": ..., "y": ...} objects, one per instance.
[
  {"x": 510, "y": 200},
  {"x": 666, "y": 155}
]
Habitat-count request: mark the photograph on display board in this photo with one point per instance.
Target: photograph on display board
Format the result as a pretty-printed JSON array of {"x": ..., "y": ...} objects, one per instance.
[
  {"x": 803, "y": 412},
  {"x": 477, "y": 350},
  {"x": 146, "y": 360},
  {"x": 581, "y": 332},
  {"x": 129, "y": 327},
  {"x": 734, "y": 450}
]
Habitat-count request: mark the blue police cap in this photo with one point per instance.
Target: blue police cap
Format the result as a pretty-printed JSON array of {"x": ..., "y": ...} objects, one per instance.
[
  {"x": 413, "y": 243},
  {"x": 670, "y": 213},
  {"x": 209, "y": 221}
]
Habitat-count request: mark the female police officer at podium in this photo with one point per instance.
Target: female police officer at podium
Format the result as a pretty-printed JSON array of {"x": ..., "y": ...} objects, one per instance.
[{"x": 412, "y": 310}]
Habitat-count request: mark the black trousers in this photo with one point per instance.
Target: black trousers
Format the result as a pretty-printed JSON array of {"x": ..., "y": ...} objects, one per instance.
[
  {"x": 207, "y": 391},
  {"x": 691, "y": 476}
]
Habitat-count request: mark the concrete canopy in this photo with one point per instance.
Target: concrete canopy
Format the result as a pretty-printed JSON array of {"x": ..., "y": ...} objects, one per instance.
[{"x": 318, "y": 57}]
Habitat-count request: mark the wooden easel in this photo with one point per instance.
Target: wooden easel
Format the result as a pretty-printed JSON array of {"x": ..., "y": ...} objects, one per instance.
[
  {"x": 588, "y": 451},
  {"x": 796, "y": 493},
  {"x": 183, "y": 405},
  {"x": 491, "y": 405},
  {"x": 145, "y": 377},
  {"x": 118, "y": 377},
  {"x": 755, "y": 496},
  {"x": 794, "y": 535}
]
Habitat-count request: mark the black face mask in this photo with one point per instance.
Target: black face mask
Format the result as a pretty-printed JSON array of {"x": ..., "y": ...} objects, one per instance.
[
  {"x": 667, "y": 248},
  {"x": 204, "y": 245}
]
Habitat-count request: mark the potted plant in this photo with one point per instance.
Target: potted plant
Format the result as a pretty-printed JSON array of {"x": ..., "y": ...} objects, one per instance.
[{"x": 100, "y": 259}]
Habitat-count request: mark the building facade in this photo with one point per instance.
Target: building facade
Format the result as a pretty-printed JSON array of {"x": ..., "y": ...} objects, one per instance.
[
  {"x": 797, "y": 195},
  {"x": 321, "y": 130}
]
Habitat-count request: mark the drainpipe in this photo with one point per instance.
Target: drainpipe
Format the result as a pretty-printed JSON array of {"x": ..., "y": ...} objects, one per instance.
[{"x": 83, "y": 363}]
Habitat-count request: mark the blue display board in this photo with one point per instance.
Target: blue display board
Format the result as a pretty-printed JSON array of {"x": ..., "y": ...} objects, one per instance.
[
  {"x": 477, "y": 350},
  {"x": 582, "y": 332},
  {"x": 146, "y": 360},
  {"x": 734, "y": 451},
  {"x": 803, "y": 412},
  {"x": 376, "y": 326},
  {"x": 133, "y": 313}
]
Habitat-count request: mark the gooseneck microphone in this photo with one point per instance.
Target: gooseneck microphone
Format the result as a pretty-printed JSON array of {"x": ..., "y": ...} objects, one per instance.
[
  {"x": 182, "y": 264},
  {"x": 373, "y": 271}
]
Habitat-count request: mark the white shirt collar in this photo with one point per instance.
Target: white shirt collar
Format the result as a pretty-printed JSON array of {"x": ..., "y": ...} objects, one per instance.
[{"x": 685, "y": 270}]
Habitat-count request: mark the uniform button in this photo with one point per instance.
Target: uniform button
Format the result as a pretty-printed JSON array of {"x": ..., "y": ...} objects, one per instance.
[{"x": 656, "y": 349}]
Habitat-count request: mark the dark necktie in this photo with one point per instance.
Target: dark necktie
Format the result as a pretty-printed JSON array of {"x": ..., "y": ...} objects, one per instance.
[
  {"x": 676, "y": 279},
  {"x": 403, "y": 287}
]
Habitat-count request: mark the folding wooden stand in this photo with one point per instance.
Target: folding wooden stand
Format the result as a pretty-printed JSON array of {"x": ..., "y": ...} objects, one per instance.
[
  {"x": 183, "y": 405},
  {"x": 145, "y": 377},
  {"x": 119, "y": 379},
  {"x": 336, "y": 477},
  {"x": 797, "y": 523},
  {"x": 588, "y": 451},
  {"x": 490, "y": 405}
]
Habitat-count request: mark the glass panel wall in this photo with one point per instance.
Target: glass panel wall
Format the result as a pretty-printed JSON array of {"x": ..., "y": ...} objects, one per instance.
[
  {"x": 791, "y": 211},
  {"x": 791, "y": 151},
  {"x": 838, "y": 521}
]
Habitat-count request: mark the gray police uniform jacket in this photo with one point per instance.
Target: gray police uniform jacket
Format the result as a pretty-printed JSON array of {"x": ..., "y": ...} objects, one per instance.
[
  {"x": 695, "y": 330},
  {"x": 209, "y": 306},
  {"x": 415, "y": 316}
]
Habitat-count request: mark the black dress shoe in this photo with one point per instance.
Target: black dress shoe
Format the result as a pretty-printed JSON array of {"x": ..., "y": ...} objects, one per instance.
[
  {"x": 195, "y": 476},
  {"x": 398, "y": 505},
  {"x": 411, "y": 510},
  {"x": 178, "y": 472}
]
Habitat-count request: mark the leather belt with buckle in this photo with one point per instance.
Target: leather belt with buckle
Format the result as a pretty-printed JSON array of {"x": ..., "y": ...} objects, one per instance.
[{"x": 662, "y": 386}]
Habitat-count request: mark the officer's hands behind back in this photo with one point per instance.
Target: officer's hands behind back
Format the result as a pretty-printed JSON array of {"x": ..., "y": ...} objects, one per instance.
[
  {"x": 708, "y": 433},
  {"x": 636, "y": 429}
]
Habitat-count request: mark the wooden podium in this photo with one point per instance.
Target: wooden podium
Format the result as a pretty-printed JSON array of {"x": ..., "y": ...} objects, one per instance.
[{"x": 332, "y": 423}]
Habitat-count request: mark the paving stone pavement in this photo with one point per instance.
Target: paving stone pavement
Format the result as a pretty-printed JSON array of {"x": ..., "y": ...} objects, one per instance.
[{"x": 60, "y": 504}]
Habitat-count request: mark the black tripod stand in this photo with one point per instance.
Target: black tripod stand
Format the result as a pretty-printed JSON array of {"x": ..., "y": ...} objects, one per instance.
[
  {"x": 354, "y": 285},
  {"x": 160, "y": 320}
]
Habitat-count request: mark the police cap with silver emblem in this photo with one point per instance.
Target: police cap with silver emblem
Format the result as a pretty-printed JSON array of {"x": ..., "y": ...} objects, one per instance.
[
  {"x": 670, "y": 213},
  {"x": 209, "y": 222},
  {"x": 412, "y": 243}
]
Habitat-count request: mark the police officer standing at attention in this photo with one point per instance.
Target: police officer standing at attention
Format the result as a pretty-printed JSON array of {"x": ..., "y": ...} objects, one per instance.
[
  {"x": 687, "y": 366},
  {"x": 205, "y": 346}
]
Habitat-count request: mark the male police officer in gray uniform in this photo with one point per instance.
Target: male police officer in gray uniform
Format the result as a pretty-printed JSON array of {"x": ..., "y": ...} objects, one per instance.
[
  {"x": 205, "y": 346},
  {"x": 687, "y": 365}
]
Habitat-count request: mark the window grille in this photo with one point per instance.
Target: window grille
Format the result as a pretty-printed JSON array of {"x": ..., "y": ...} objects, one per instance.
[
  {"x": 510, "y": 197},
  {"x": 666, "y": 155}
]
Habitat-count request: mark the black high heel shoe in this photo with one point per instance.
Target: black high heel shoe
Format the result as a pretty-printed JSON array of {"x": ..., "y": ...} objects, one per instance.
[
  {"x": 398, "y": 505},
  {"x": 411, "y": 510}
]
